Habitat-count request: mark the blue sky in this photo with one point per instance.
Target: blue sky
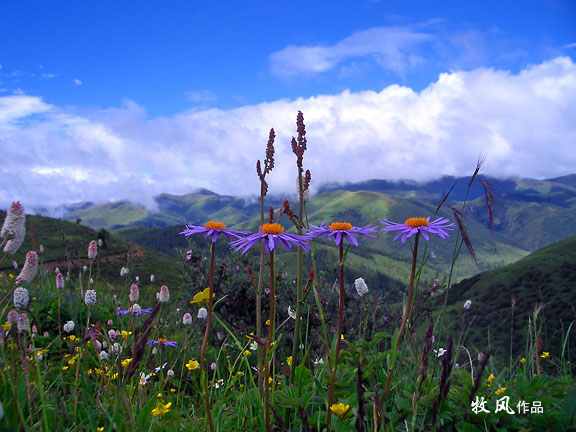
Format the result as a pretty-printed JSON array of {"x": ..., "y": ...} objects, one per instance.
[{"x": 146, "y": 88}]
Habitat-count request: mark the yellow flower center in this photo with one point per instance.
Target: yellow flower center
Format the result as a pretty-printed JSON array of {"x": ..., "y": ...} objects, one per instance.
[
  {"x": 417, "y": 222},
  {"x": 272, "y": 228},
  {"x": 161, "y": 340},
  {"x": 215, "y": 225},
  {"x": 340, "y": 226}
]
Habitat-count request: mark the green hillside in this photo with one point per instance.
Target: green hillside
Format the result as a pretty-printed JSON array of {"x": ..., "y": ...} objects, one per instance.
[
  {"x": 545, "y": 278},
  {"x": 65, "y": 246}
]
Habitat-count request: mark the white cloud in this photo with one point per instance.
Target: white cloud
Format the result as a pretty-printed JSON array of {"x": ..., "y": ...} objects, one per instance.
[
  {"x": 391, "y": 48},
  {"x": 77, "y": 82},
  {"x": 523, "y": 123}
]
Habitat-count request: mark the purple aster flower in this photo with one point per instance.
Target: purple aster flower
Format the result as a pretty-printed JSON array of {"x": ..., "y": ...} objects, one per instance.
[
  {"x": 162, "y": 341},
  {"x": 340, "y": 230},
  {"x": 271, "y": 234},
  {"x": 214, "y": 230},
  {"x": 127, "y": 311},
  {"x": 419, "y": 225}
]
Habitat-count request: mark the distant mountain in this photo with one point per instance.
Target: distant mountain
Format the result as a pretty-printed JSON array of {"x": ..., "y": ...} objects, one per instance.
[
  {"x": 545, "y": 278},
  {"x": 528, "y": 213}
]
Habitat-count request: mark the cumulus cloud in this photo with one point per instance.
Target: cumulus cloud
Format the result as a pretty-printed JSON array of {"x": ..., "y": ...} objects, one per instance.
[{"x": 523, "y": 124}]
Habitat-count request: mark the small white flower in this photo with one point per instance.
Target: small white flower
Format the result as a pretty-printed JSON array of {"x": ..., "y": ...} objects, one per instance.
[
  {"x": 440, "y": 352},
  {"x": 159, "y": 368},
  {"x": 291, "y": 313},
  {"x": 85, "y": 269},
  {"x": 202, "y": 313},
  {"x": 467, "y": 304},
  {"x": 143, "y": 379},
  {"x": 253, "y": 346},
  {"x": 123, "y": 271},
  {"x": 361, "y": 287},
  {"x": 103, "y": 355},
  {"x": 170, "y": 373},
  {"x": 219, "y": 383},
  {"x": 318, "y": 361},
  {"x": 151, "y": 278},
  {"x": 136, "y": 309}
]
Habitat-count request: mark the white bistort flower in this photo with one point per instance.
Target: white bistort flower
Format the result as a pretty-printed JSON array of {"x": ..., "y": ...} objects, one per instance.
[
  {"x": 21, "y": 298},
  {"x": 90, "y": 297},
  {"x": 29, "y": 269},
  {"x": 68, "y": 327},
  {"x": 202, "y": 313},
  {"x": 361, "y": 287}
]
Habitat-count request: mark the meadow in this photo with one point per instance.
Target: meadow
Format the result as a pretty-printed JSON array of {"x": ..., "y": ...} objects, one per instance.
[{"x": 246, "y": 342}]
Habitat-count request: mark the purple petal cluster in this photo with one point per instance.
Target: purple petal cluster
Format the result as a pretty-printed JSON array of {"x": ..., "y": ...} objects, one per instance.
[
  {"x": 413, "y": 226},
  {"x": 341, "y": 230},
  {"x": 162, "y": 342},
  {"x": 213, "y": 230},
  {"x": 127, "y": 311},
  {"x": 271, "y": 239}
]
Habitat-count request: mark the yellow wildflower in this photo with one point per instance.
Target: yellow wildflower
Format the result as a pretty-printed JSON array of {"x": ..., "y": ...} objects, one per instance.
[
  {"x": 522, "y": 360},
  {"x": 545, "y": 354},
  {"x": 289, "y": 360},
  {"x": 491, "y": 380},
  {"x": 192, "y": 365},
  {"x": 339, "y": 409},
  {"x": 500, "y": 391},
  {"x": 202, "y": 297},
  {"x": 161, "y": 409},
  {"x": 100, "y": 429},
  {"x": 125, "y": 362},
  {"x": 6, "y": 326},
  {"x": 125, "y": 334},
  {"x": 247, "y": 353}
]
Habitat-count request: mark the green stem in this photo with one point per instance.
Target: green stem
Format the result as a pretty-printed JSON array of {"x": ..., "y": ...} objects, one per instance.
[
  {"x": 405, "y": 318},
  {"x": 299, "y": 294},
  {"x": 269, "y": 345},
  {"x": 339, "y": 340},
  {"x": 205, "y": 341}
]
